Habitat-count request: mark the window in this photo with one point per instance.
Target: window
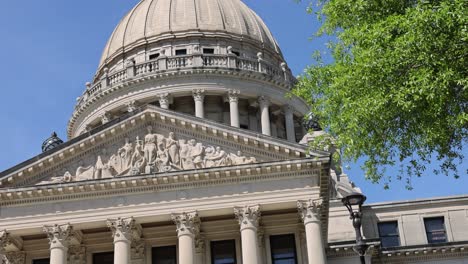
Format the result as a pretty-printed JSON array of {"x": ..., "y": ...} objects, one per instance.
[
  {"x": 236, "y": 53},
  {"x": 154, "y": 56},
  {"x": 389, "y": 236},
  {"x": 435, "y": 230},
  {"x": 181, "y": 52},
  {"x": 223, "y": 252},
  {"x": 208, "y": 51},
  {"x": 283, "y": 249},
  {"x": 103, "y": 258},
  {"x": 41, "y": 261},
  {"x": 165, "y": 255}
]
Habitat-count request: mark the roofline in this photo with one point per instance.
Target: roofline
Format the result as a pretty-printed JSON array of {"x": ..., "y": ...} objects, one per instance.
[{"x": 430, "y": 200}]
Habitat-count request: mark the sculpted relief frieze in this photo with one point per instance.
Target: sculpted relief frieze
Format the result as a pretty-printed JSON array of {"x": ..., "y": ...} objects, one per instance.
[{"x": 153, "y": 153}]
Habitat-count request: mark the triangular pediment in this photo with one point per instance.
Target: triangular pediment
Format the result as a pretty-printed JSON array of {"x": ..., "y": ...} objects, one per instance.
[{"x": 149, "y": 141}]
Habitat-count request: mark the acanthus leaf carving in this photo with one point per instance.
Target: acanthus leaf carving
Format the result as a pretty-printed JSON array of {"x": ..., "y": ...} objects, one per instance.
[{"x": 154, "y": 154}]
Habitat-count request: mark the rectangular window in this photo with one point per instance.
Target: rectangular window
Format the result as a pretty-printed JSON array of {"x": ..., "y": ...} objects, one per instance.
[
  {"x": 165, "y": 255},
  {"x": 181, "y": 52},
  {"x": 208, "y": 51},
  {"x": 435, "y": 230},
  {"x": 388, "y": 233},
  {"x": 223, "y": 252},
  {"x": 103, "y": 258},
  {"x": 154, "y": 56},
  {"x": 41, "y": 261},
  {"x": 283, "y": 249}
]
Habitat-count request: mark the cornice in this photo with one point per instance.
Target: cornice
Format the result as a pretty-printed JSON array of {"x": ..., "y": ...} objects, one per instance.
[
  {"x": 163, "y": 181},
  {"x": 279, "y": 149}
]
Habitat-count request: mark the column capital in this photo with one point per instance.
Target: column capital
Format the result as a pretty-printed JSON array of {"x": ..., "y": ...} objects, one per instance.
[
  {"x": 248, "y": 216},
  {"x": 4, "y": 240},
  {"x": 233, "y": 96},
  {"x": 131, "y": 106},
  {"x": 198, "y": 94},
  {"x": 264, "y": 101},
  {"x": 124, "y": 229},
  {"x": 188, "y": 224},
  {"x": 15, "y": 257},
  {"x": 288, "y": 109},
  {"x": 59, "y": 235},
  {"x": 309, "y": 210},
  {"x": 105, "y": 118}
]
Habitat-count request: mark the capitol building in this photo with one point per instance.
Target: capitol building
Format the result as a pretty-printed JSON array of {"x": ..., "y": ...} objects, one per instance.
[{"x": 187, "y": 147}]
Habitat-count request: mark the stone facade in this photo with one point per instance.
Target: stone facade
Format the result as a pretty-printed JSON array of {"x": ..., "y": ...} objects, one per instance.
[{"x": 185, "y": 139}]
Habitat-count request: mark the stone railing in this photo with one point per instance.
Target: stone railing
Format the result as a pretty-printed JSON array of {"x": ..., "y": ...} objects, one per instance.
[{"x": 279, "y": 73}]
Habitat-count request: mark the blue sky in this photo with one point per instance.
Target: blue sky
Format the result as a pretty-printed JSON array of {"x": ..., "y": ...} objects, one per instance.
[{"x": 50, "y": 49}]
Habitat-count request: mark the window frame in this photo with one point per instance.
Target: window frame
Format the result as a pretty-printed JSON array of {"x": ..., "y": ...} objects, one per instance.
[
  {"x": 397, "y": 234},
  {"x": 94, "y": 254},
  {"x": 184, "y": 50},
  {"x": 426, "y": 219},
  {"x": 234, "y": 243},
  {"x": 293, "y": 235},
  {"x": 165, "y": 246}
]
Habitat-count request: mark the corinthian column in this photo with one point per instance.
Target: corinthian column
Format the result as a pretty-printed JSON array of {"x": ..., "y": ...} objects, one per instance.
[
  {"x": 124, "y": 232},
  {"x": 289, "y": 116},
  {"x": 199, "y": 98},
  {"x": 309, "y": 212},
  {"x": 59, "y": 237},
  {"x": 233, "y": 97},
  {"x": 188, "y": 226},
  {"x": 265, "y": 115},
  {"x": 249, "y": 217}
]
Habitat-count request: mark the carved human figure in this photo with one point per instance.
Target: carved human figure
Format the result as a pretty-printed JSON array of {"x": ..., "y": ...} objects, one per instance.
[
  {"x": 240, "y": 159},
  {"x": 125, "y": 156},
  {"x": 162, "y": 160},
  {"x": 150, "y": 148},
  {"x": 172, "y": 145},
  {"x": 185, "y": 159},
  {"x": 215, "y": 157},
  {"x": 196, "y": 153},
  {"x": 138, "y": 161}
]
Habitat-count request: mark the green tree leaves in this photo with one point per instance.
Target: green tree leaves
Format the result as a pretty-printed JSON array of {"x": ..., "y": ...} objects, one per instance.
[{"x": 396, "y": 92}]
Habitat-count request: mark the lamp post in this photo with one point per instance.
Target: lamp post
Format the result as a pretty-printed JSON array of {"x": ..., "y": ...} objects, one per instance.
[{"x": 354, "y": 204}]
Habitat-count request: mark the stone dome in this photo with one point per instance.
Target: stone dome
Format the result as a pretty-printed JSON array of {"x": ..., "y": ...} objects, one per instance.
[{"x": 155, "y": 20}]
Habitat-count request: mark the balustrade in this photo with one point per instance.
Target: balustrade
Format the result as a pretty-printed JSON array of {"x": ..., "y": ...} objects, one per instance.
[{"x": 187, "y": 61}]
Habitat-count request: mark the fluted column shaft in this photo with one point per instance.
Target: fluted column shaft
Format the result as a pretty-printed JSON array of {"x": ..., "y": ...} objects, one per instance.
[
  {"x": 249, "y": 217},
  {"x": 188, "y": 226},
  {"x": 59, "y": 236},
  {"x": 233, "y": 96},
  {"x": 289, "y": 121},
  {"x": 265, "y": 115},
  {"x": 309, "y": 212},
  {"x": 123, "y": 231},
  {"x": 199, "y": 98}
]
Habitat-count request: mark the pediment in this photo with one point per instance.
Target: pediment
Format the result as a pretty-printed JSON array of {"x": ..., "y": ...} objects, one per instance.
[{"x": 150, "y": 141}]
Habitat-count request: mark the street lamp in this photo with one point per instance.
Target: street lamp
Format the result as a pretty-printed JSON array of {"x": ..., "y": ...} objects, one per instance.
[{"x": 354, "y": 204}]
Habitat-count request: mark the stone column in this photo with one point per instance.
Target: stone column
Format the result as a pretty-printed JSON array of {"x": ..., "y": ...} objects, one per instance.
[
  {"x": 199, "y": 97},
  {"x": 309, "y": 212},
  {"x": 249, "y": 217},
  {"x": 59, "y": 237},
  {"x": 289, "y": 122},
  {"x": 233, "y": 96},
  {"x": 123, "y": 231},
  {"x": 200, "y": 249},
  {"x": 164, "y": 100},
  {"x": 188, "y": 227},
  {"x": 264, "y": 103}
]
